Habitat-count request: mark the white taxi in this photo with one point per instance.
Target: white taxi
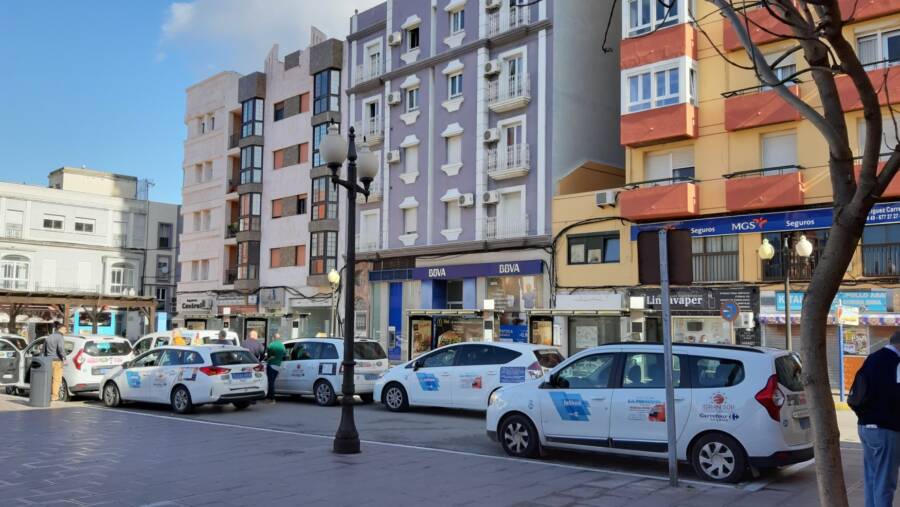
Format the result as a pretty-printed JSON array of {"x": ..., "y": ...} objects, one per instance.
[
  {"x": 313, "y": 366},
  {"x": 191, "y": 337},
  {"x": 187, "y": 376},
  {"x": 735, "y": 407},
  {"x": 463, "y": 375}
]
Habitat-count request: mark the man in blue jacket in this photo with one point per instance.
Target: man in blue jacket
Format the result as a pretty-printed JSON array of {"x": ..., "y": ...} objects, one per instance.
[{"x": 875, "y": 397}]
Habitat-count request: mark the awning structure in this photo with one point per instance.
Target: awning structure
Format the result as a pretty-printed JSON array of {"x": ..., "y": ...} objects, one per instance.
[
  {"x": 62, "y": 304},
  {"x": 865, "y": 319},
  {"x": 553, "y": 312},
  {"x": 459, "y": 313}
]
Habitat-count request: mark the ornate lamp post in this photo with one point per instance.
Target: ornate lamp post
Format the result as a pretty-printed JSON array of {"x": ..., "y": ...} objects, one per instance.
[
  {"x": 766, "y": 252},
  {"x": 334, "y": 278},
  {"x": 335, "y": 150}
]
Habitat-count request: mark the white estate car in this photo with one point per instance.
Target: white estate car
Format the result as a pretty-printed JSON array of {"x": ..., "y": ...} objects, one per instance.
[
  {"x": 735, "y": 407},
  {"x": 313, "y": 366},
  {"x": 463, "y": 375},
  {"x": 191, "y": 337},
  {"x": 187, "y": 376}
]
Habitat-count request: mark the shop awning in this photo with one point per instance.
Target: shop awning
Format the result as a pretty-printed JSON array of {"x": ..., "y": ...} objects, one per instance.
[
  {"x": 429, "y": 312},
  {"x": 555, "y": 312},
  {"x": 865, "y": 319}
]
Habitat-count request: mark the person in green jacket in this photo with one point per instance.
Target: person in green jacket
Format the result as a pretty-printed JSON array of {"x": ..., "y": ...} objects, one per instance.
[{"x": 275, "y": 353}]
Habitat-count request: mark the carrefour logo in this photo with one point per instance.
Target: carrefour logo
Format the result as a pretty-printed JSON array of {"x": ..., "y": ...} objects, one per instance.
[{"x": 753, "y": 224}]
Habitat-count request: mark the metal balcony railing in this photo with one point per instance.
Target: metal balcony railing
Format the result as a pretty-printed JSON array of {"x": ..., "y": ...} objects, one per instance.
[
  {"x": 505, "y": 226},
  {"x": 367, "y": 243},
  {"x": 367, "y": 72},
  {"x": 231, "y": 230},
  {"x": 508, "y": 88},
  {"x": 371, "y": 129},
  {"x": 375, "y": 191},
  {"x": 230, "y": 276},
  {"x": 514, "y": 17},
  {"x": 233, "y": 140},
  {"x": 506, "y": 159},
  {"x": 881, "y": 260},
  {"x": 13, "y": 231}
]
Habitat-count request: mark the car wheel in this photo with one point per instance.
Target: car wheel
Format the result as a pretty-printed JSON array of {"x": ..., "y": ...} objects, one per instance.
[
  {"x": 717, "y": 457},
  {"x": 111, "y": 397},
  {"x": 63, "y": 394},
  {"x": 519, "y": 437},
  {"x": 181, "y": 400},
  {"x": 325, "y": 396},
  {"x": 367, "y": 397},
  {"x": 241, "y": 405},
  {"x": 394, "y": 398},
  {"x": 10, "y": 390}
]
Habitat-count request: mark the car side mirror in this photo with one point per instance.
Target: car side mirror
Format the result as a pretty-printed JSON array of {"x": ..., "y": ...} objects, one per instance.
[
  {"x": 126, "y": 365},
  {"x": 417, "y": 365}
]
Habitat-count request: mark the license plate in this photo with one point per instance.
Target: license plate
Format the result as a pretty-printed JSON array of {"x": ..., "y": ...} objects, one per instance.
[
  {"x": 241, "y": 376},
  {"x": 804, "y": 423},
  {"x": 371, "y": 376}
]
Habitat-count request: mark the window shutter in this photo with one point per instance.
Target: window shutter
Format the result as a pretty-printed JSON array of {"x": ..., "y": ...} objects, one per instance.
[
  {"x": 279, "y": 159},
  {"x": 304, "y": 103},
  {"x": 301, "y": 255},
  {"x": 275, "y": 260},
  {"x": 303, "y": 156},
  {"x": 277, "y": 211},
  {"x": 288, "y": 206}
]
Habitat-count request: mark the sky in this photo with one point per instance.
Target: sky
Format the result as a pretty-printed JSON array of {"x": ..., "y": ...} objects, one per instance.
[{"x": 100, "y": 83}]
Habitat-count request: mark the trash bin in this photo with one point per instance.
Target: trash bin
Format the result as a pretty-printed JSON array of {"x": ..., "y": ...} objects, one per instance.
[{"x": 41, "y": 381}]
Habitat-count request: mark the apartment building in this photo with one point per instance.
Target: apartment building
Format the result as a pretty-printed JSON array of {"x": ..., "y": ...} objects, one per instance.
[
  {"x": 710, "y": 150},
  {"x": 88, "y": 232},
  {"x": 477, "y": 109},
  {"x": 261, "y": 220}
]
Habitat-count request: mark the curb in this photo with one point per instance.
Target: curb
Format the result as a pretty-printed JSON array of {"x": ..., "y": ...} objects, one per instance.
[{"x": 841, "y": 405}]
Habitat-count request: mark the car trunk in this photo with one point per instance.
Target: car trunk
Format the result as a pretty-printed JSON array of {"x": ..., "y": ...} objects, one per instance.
[
  {"x": 101, "y": 356},
  {"x": 795, "y": 411},
  {"x": 371, "y": 360},
  {"x": 242, "y": 367}
]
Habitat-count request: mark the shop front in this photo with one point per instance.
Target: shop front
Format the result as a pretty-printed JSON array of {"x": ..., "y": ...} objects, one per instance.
[
  {"x": 194, "y": 311},
  {"x": 430, "y": 329},
  {"x": 580, "y": 321}
]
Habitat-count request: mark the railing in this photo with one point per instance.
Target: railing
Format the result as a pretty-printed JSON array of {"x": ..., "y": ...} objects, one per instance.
[
  {"x": 231, "y": 230},
  {"x": 509, "y": 88},
  {"x": 879, "y": 64},
  {"x": 13, "y": 231},
  {"x": 781, "y": 169},
  {"x": 67, "y": 290},
  {"x": 507, "y": 158},
  {"x": 661, "y": 181},
  {"x": 233, "y": 140},
  {"x": 881, "y": 260},
  {"x": 370, "y": 129},
  {"x": 366, "y": 243},
  {"x": 230, "y": 276},
  {"x": 119, "y": 240},
  {"x": 516, "y": 17},
  {"x": 14, "y": 284},
  {"x": 505, "y": 226},
  {"x": 375, "y": 192},
  {"x": 368, "y": 72},
  {"x": 756, "y": 89}
]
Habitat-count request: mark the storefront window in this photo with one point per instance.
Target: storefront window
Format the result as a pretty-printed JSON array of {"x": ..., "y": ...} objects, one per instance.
[
  {"x": 542, "y": 330},
  {"x": 701, "y": 330},
  {"x": 458, "y": 329},
  {"x": 587, "y": 332},
  {"x": 512, "y": 296}
]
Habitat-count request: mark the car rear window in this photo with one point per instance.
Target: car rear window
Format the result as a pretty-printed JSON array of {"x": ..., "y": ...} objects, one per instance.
[
  {"x": 714, "y": 372},
  {"x": 548, "y": 358},
  {"x": 107, "y": 348},
  {"x": 789, "y": 370},
  {"x": 368, "y": 350},
  {"x": 232, "y": 357}
]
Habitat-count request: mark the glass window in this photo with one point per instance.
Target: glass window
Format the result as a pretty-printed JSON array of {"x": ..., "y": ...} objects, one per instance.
[
  {"x": 322, "y": 252},
  {"x": 715, "y": 259},
  {"x": 368, "y": 351},
  {"x": 143, "y": 345},
  {"x": 191, "y": 357},
  {"x": 148, "y": 359},
  {"x": 879, "y": 49},
  {"x": 643, "y": 16},
  {"x": 278, "y": 113},
  {"x": 84, "y": 225},
  {"x": 587, "y": 332},
  {"x": 250, "y": 211},
  {"x": 164, "y": 235},
  {"x": 324, "y": 199},
  {"x": 328, "y": 351},
  {"x": 779, "y": 150},
  {"x": 412, "y": 39},
  {"x": 410, "y": 220},
  {"x": 122, "y": 277},
  {"x": 327, "y": 91},
  {"x": 475, "y": 355},
  {"x": 53, "y": 222},
  {"x": 106, "y": 348},
  {"x": 801, "y": 268},
  {"x": 590, "y": 372},
  {"x": 456, "y": 85},
  {"x": 789, "y": 371},
  {"x": 252, "y": 117},
  {"x": 457, "y": 21},
  {"x": 319, "y": 133},
  {"x": 648, "y": 371},
  {"x": 248, "y": 260},
  {"x": 881, "y": 250},
  {"x": 441, "y": 358},
  {"x": 304, "y": 351},
  {"x": 172, "y": 358},
  {"x": 301, "y": 205},
  {"x": 412, "y": 100},
  {"x": 669, "y": 167},
  {"x": 251, "y": 164},
  {"x": 889, "y": 137},
  {"x": 593, "y": 248},
  {"x": 14, "y": 271},
  {"x": 233, "y": 357},
  {"x": 713, "y": 372},
  {"x": 659, "y": 86}
]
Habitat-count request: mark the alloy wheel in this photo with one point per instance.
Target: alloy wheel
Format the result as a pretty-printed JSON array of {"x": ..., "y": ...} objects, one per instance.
[
  {"x": 393, "y": 398},
  {"x": 516, "y": 437}
]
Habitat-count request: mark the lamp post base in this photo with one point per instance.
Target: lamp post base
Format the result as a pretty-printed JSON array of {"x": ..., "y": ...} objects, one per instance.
[{"x": 346, "y": 440}]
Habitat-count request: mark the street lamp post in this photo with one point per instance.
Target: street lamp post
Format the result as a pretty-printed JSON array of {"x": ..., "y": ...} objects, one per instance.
[
  {"x": 334, "y": 150},
  {"x": 766, "y": 252},
  {"x": 334, "y": 278}
]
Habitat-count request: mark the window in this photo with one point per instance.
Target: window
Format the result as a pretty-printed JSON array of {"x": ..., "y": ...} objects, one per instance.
[
  {"x": 148, "y": 359},
  {"x": 319, "y": 133},
  {"x": 303, "y": 153},
  {"x": 212, "y": 122},
  {"x": 412, "y": 99},
  {"x": 304, "y": 103},
  {"x": 196, "y": 221},
  {"x": 248, "y": 260},
  {"x": 783, "y": 70},
  {"x": 324, "y": 200},
  {"x": 283, "y": 257},
  {"x": 881, "y": 250},
  {"x": 251, "y": 164},
  {"x": 587, "y": 332},
  {"x": 412, "y": 39},
  {"x": 453, "y": 214},
  {"x": 163, "y": 266},
  {"x": 889, "y": 137},
  {"x": 276, "y": 208},
  {"x": 278, "y": 112},
  {"x": 162, "y": 294},
  {"x": 801, "y": 269},
  {"x": 250, "y": 210},
  {"x": 409, "y": 220},
  {"x": 14, "y": 271},
  {"x": 456, "y": 85},
  {"x": 879, "y": 49},
  {"x": 85, "y": 225},
  {"x": 278, "y": 159},
  {"x": 202, "y": 127},
  {"x": 455, "y": 292},
  {"x": 195, "y": 271},
  {"x": 648, "y": 371},
  {"x": 454, "y": 150},
  {"x": 457, "y": 21},
  {"x": 482, "y": 355},
  {"x": 440, "y": 359},
  {"x": 715, "y": 372},
  {"x": 643, "y": 16},
  {"x": 53, "y": 222},
  {"x": 164, "y": 238},
  {"x": 122, "y": 277},
  {"x": 658, "y": 85},
  {"x": 322, "y": 252},
  {"x": 715, "y": 259},
  {"x": 780, "y": 150},
  {"x": 204, "y": 269},
  {"x": 594, "y": 248},
  {"x": 411, "y": 159},
  {"x": 327, "y": 91},
  {"x": 301, "y": 204},
  {"x": 590, "y": 372},
  {"x": 674, "y": 166},
  {"x": 252, "y": 117},
  {"x": 207, "y": 219}
]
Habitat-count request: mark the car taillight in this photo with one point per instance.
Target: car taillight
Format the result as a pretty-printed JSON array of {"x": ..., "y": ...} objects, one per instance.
[
  {"x": 78, "y": 360},
  {"x": 212, "y": 371},
  {"x": 341, "y": 369},
  {"x": 259, "y": 367},
  {"x": 535, "y": 370},
  {"x": 771, "y": 398}
]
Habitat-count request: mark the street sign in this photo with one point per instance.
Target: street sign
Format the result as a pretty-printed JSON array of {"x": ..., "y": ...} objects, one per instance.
[
  {"x": 730, "y": 311},
  {"x": 847, "y": 315}
]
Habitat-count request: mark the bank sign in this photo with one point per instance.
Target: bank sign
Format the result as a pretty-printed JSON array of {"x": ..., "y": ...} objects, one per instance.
[
  {"x": 866, "y": 301},
  {"x": 513, "y": 268},
  {"x": 798, "y": 220}
]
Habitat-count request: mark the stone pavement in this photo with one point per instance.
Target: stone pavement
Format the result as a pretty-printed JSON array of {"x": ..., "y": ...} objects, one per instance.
[{"x": 92, "y": 456}]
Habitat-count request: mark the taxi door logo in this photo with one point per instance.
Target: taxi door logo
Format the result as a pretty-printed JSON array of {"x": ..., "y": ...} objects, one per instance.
[
  {"x": 571, "y": 406},
  {"x": 428, "y": 382},
  {"x": 134, "y": 379}
]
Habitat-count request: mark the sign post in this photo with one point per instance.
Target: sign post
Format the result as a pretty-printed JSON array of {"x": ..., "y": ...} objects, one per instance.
[{"x": 667, "y": 354}]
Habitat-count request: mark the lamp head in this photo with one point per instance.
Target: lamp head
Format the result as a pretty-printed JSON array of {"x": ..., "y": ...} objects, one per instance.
[
  {"x": 366, "y": 165},
  {"x": 334, "y": 277},
  {"x": 766, "y": 251},
  {"x": 333, "y": 148},
  {"x": 803, "y": 247}
]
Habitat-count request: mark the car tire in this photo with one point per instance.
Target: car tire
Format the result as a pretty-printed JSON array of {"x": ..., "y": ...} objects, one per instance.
[
  {"x": 367, "y": 397},
  {"x": 10, "y": 390},
  {"x": 111, "y": 396},
  {"x": 241, "y": 405},
  {"x": 394, "y": 398},
  {"x": 63, "y": 394},
  {"x": 324, "y": 393},
  {"x": 518, "y": 437},
  {"x": 717, "y": 457},
  {"x": 181, "y": 400}
]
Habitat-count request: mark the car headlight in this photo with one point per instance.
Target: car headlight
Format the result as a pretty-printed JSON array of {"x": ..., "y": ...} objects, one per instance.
[{"x": 494, "y": 397}]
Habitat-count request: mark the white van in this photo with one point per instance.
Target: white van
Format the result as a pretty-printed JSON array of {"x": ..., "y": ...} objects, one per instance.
[{"x": 191, "y": 337}]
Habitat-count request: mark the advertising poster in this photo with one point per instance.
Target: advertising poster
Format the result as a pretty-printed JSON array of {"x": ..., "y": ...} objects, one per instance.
[{"x": 856, "y": 341}]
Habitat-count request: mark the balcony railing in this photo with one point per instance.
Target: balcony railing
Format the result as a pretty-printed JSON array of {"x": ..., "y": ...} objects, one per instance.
[
  {"x": 508, "y": 161},
  {"x": 375, "y": 191},
  {"x": 230, "y": 276},
  {"x": 509, "y": 92},
  {"x": 368, "y": 72},
  {"x": 13, "y": 231},
  {"x": 371, "y": 130},
  {"x": 512, "y": 18},
  {"x": 14, "y": 284},
  {"x": 506, "y": 226},
  {"x": 765, "y": 171},
  {"x": 367, "y": 243},
  {"x": 233, "y": 140},
  {"x": 231, "y": 230},
  {"x": 881, "y": 260}
]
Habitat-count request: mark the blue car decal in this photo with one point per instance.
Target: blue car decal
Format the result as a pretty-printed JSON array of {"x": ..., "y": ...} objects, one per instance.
[
  {"x": 134, "y": 379},
  {"x": 428, "y": 382},
  {"x": 512, "y": 374},
  {"x": 571, "y": 406}
]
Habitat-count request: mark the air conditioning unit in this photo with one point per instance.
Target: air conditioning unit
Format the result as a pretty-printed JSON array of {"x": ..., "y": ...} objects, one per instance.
[
  {"x": 490, "y": 197},
  {"x": 492, "y": 67},
  {"x": 393, "y": 98},
  {"x": 393, "y": 156},
  {"x": 466, "y": 200},
  {"x": 606, "y": 198},
  {"x": 745, "y": 320},
  {"x": 394, "y": 39},
  {"x": 491, "y": 135},
  {"x": 493, "y": 4}
]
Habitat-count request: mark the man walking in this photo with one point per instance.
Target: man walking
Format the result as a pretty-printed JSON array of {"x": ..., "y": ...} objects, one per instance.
[
  {"x": 274, "y": 356},
  {"x": 875, "y": 397},
  {"x": 55, "y": 347},
  {"x": 252, "y": 344}
]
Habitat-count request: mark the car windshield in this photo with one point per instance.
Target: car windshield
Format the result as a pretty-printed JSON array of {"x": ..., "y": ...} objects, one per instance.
[
  {"x": 107, "y": 348},
  {"x": 18, "y": 343},
  {"x": 789, "y": 370},
  {"x": 232, "y": 357},
  {"x": 548, "y": 358},
  {"x": 368, "y": 350}
]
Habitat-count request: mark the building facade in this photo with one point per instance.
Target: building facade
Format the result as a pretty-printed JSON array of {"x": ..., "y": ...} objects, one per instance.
[{"x": 470, "y": 106}]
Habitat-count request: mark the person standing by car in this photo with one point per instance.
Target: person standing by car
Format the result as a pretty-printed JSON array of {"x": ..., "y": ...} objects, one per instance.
[
  {"x": 55, "y": 347},
  {"x": 222, "y": 339},
  {"x": 874, "y": 397},
  {"x": 254, "y": 346},
  {"x": 274, "y": 356},
  {"x": 177, "y": 339}
]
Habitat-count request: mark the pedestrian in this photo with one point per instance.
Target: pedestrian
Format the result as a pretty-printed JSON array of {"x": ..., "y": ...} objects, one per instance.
[
  {"x": 875, "y": 397},
  {"x": 274, "y": 356},
  {"x": 177, "y": 339},
  {"x": 55, "y": 347},
  {"x": 222, "y": 339},
  {"x": 254, "y": 346}
]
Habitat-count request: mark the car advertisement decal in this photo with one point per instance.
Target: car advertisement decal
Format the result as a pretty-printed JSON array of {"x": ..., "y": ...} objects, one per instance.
[
  {"x": 646, "y": 409},
  {"x": 134, "y": 379},
  {"x": 159, "y": 379},
  {"x": 428, "y": 382},
  {"x": 470, "y": 381},
  {"x": 187, "y": 374},
  {"x": 718, "y": 409},
  {"x": 512, "y": 374},
  {"x": 298, "y": 371},
  {"x": 327, "y": 368},
  {"x": 571, "y": 406}
]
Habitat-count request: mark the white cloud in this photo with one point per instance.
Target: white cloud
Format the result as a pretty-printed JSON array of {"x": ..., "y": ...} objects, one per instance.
[{"x": 237, "y": 34}]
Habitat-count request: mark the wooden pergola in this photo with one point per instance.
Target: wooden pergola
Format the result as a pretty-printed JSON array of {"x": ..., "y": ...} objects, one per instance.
[{"x": 60, "y": 303}]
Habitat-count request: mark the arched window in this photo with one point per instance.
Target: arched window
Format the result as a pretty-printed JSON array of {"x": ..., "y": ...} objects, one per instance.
[
  {"x": 122, "y": 276},
  {"x": 14, "y": 271}
]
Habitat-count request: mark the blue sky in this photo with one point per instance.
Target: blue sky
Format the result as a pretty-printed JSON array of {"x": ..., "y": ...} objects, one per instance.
[{"x": 101, "y": 83}]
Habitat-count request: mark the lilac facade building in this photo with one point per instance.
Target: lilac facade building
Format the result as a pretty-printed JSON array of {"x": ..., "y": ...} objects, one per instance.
[{"x": 476, "y": 109}]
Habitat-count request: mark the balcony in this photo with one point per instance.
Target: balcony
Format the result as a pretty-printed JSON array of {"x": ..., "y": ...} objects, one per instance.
[
  {"x": 505, "y": 162},
  {"x": 661, "y": 124},
  {"x": 511, "y": 18},
  {"x": 230, "y": 276},
  {"x": 666, "y": 44},
  {"x": 850, "y": 98},
  {"x": 371, "y": 130},
  {"x": 762, "y": 26},
  {"x": 757, "y": 106},
  {"x": 772, "y": 187},
  {"x": 893, "y": 188},
  {"x": 365, "y": 243},
  {"x": 881, "y": 260},
  {"x": 868, "y": 9},
  {"x": 375, "y": 192},
  {"x": 231, "y": 230},
  {"x": 233, "y": 140},
  {"x": 368, "y": 72},
  {"x": 13, "y": 231},
  {"x": 508, "y": 93},
  {"x": 668, "y": 198},
  {"x": 506, "y": 226}
]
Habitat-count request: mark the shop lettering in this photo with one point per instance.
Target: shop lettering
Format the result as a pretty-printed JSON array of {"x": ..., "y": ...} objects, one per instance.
[
  {"x": 799, "y": 223},
  {"x": 509, "y": 268},
  {"x": 436, "y": 272},
  {"x": 676, "y": 300}
]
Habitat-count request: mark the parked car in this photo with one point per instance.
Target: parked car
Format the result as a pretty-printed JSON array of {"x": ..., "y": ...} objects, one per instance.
[
  {"x": 191, "y": 337},
  {"x": 463, "y": 375},
  {"x": 10, "y": 345},
  {"x": 187, "y": 376},
  {"x": 314, "y": 368},
  {"x": 735, "y": 407},
  {"x": 88, "y": 357}
]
